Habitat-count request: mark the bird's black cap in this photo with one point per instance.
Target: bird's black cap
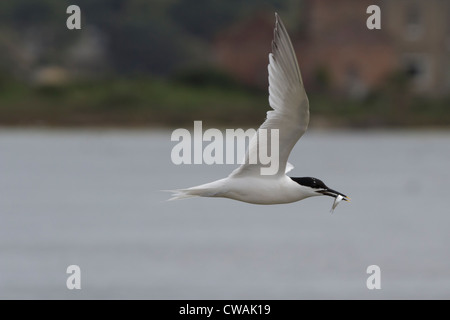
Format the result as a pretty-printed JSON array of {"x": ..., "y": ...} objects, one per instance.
[
  {"x": 318, "y": 184},
  {"x": 310, "y": 182}
]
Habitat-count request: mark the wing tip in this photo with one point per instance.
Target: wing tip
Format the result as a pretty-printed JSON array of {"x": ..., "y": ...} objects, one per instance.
[{"x": 279, "y": 25}]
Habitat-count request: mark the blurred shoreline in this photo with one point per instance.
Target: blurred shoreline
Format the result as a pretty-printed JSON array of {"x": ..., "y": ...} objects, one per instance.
[
  {"x": 162, "y": 103},
  {"x": 316, "y": 130}
]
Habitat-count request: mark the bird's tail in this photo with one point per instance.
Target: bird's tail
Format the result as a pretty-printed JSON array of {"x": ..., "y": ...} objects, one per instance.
[
  {"x": 205, "y": 190},
  {"x": 182, "y": 194}
]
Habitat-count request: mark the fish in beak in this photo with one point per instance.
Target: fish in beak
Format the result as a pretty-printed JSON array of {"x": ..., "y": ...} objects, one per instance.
[{"x": 337, "y": 195}]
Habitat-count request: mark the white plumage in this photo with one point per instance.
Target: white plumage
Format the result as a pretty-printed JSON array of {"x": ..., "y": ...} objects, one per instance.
[{"x": 290, "y": 115}]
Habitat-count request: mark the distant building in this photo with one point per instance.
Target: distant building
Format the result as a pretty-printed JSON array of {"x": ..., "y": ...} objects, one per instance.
[
  {"x": 242, "y": 49},
  {"x": 337, "y": 50},
  {"x": 421, "y": 30},
  {"x": 339, "y": 44}
]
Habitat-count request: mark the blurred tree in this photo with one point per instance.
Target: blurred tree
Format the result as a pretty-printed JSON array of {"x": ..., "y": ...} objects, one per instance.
[
  {"x": 33, "y": 32},
  {"x": 204, "y": 18},
  {"x": 140, "y": 36}
]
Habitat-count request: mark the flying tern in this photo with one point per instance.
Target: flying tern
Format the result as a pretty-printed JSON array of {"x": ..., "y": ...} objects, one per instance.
[{"x": 290, "y": 116}]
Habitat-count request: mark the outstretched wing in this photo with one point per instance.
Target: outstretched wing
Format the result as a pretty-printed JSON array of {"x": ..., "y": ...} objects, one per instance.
[{"x": 287, "y": 97}]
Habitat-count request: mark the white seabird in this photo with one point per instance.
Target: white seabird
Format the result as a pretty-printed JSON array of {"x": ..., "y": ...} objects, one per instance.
[{"x": 290, "y": 115}]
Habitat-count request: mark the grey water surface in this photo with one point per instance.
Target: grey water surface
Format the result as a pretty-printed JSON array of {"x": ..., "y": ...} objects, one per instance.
[{"x": 92, "y": 198}]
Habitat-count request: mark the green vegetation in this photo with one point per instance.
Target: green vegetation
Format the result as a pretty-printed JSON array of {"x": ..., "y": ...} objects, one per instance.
[
  {"x": 154, "y": 102},
  {"x": 126, "y": 102},
  {"x": 380, "y": 110}
]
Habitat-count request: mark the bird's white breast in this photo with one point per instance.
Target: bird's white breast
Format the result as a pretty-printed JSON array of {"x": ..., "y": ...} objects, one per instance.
[{"x": 263, "y": 190}]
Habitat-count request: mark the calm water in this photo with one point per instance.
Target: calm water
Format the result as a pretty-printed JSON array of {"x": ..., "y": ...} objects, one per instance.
[{"x": 92, "y": 198}]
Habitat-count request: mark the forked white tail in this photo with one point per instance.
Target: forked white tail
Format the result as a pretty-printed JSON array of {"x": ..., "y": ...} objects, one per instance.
[{"x": 211, "y": 189}]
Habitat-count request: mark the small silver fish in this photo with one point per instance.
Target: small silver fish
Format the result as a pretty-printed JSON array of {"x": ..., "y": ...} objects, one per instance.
[{"x": 338, "y": 199}]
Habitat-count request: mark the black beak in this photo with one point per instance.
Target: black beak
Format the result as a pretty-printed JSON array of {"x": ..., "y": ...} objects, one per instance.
[{"x": 333, "y": 193}]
